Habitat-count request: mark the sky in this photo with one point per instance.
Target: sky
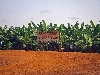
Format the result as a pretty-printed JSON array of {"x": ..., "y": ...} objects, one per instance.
[{"x": 20, "y": 12}]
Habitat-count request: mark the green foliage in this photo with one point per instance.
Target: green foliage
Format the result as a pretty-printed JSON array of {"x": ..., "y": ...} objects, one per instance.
[{"x": 74, "y": 37}]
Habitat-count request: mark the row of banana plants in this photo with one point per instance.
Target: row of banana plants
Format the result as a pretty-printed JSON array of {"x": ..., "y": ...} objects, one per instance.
[{"x": 78, "y": 37}]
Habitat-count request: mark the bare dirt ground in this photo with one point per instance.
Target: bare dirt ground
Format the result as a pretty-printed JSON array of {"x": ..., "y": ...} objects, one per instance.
[{"x": 48, "y": 63}]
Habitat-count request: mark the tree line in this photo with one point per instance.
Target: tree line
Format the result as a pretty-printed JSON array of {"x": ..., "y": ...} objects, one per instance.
[{"x": 77, "y": 37}]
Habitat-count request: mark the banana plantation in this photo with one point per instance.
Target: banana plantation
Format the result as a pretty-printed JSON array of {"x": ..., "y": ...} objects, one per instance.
[{"x": 77, "y": 37}]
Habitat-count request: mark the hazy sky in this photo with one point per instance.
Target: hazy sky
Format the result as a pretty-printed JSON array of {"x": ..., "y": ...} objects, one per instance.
[{"x": 21, "y": 12}]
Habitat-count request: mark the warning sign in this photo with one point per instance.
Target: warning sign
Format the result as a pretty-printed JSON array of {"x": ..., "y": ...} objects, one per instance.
[{"x": 44, "y": 37}]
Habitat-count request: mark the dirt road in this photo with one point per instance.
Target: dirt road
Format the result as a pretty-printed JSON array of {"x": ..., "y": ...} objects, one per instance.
[{"x": 48, "y": 63}]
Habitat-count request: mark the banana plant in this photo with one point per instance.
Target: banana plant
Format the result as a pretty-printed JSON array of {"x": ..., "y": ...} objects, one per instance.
[{"x": 83, "y": 38}]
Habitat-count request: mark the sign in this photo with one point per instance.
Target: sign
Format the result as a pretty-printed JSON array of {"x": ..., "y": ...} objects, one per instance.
[{"x": 44, "y": 37}]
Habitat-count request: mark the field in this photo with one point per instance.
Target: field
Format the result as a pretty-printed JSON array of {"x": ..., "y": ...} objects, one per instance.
[{"x": 22, "y": 62}]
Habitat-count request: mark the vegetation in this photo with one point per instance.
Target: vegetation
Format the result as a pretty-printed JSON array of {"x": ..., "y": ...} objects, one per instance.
[{"x": 73, "y": 38}]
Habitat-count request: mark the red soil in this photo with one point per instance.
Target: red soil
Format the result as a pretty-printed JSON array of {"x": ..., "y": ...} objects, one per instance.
[{"x": 48, "y": 63}]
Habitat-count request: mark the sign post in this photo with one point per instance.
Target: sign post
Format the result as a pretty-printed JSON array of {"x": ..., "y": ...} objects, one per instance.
[
  {"x": 44, "y": 37},
  {"x": 47, "y": 37}
]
